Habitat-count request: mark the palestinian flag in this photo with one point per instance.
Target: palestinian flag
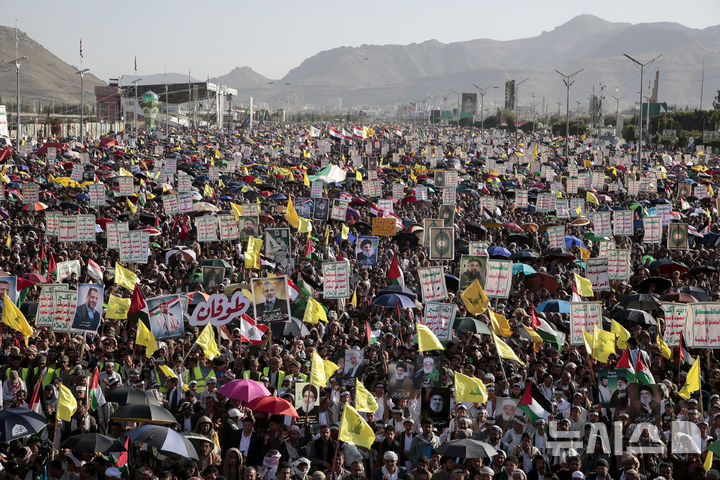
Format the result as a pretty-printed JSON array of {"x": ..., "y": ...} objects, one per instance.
[
  {"x": 94, "y": 271},
  {"x": 97, "y": 399},
  {"x": 534, "y": 403},
  {"x": 138, "y": 308},
  {"x": 549, "y": 334},
  {"x": 51, "y": 265},
  {"x": 685, "y": 356},
  {"x": 122, "y": 460},
  {"x": 642, "y": 372},
  {"x": 395, "y": 275},
  {"x": 624, "y": 367}
]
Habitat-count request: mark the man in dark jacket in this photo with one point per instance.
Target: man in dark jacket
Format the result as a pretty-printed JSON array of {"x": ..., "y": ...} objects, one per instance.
[{"x": 321, "y": 451}]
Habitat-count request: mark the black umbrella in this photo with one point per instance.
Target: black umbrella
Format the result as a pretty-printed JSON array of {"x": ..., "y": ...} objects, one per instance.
[
  {"x": 452, "y": 282},
  {"x": 125, "y": 395},
  {"x": 475, "y": 227},
  {"x": 400, "y": 290},
  {"x": 18, "y": 423},
  {"x": 702, "y": 269},
  {"x": 697, "y": 292},
  {"x": 144, "y": 413},
  {"x": 92, "y": 442},
  {"x": 655, "y": 284},
  {"x": 467, "y": 448},
  {"x": 630, "y": 315},
  {"x": 518, "y": 238},
  {"x": 641, "y": 301}
]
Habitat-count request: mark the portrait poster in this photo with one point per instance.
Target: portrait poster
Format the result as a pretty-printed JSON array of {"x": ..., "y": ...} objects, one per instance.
[
  {"x": 606, "y": 385},
  {"x": 472, "y": 267},
  {"x": 316, "y": 189},
  {"x": 400, "y": 379},
  {"x": 429, "y": 223},
  {"x": 8, "y": 285},
  {"x": 644, "y": 402},
  {"x": 271, "y": 301},
  {"x": 427, "y": 371},
  {"x": 307, "y": 402},
  {"x": 435, "y": 405},
  {"x": 89, "y": 307},
  {"x": 439, "y": 178},
  {"x": 498, "y": 278},
  {"x": 442, "y": 243},
  {"x": 447, "y": 213},
  {"x": 432, "y": 284},
  {"x": 353, "y": 366},
  {"x": 212, "y": 278},
  {"x": 249, "y": 226},
  {"x": 322, "y": 209},
  {"x": 439, "y": 317},
  {"x": 304, "y": 207},
  {"x": 584, "y": 316},
  {"x": 366, "y": 251},
  {"x": 166, "y": 317},
  {"x": 277, "y": 249},
  {"x": 336, "y": 280}
]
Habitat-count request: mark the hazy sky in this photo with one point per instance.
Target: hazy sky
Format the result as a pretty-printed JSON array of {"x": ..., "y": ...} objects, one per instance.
[{"x": 274, "y": 36}]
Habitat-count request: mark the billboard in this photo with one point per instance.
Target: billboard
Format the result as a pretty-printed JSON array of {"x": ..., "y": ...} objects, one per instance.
[
  {"x": 469, "y": 103},
  {"x": 510, "y": 95},
  {"x": 4, "y": 131}
]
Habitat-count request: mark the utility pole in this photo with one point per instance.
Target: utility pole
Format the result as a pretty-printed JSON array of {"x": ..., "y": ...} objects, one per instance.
[
  {"x": 17, "y": 62},
  {"x": 642, "y": 71},
  {"x": 617, "y": 115},
  {"x": 482, "y": 92},
  {"x": 135, "y": 114},
  {"x": 702, "y": 83},
  {"x": 568, "y": 80},
  {"x": 82, "y": 103}
]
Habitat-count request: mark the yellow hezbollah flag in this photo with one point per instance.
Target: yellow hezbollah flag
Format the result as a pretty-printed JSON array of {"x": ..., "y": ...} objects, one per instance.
[
  {"x": 353, "y": 429},
  {"x": 314, "y": 312},
  {"x": 500, "y": 324},
  {"x": 588, "y": 341},
  {"x": 145, "y": 338},
  {"x": 252, "y": 254},
  {"x": 353, "y": 300},
  {"x": 505, "y": 351},
  {"x": 708, "y": 460},
  {"x": 206, "y": 340},
  {"x": 291, "y": 215},
  {"x": 167, "y": 371},
  {"x": 13, "y": 318},
  {"x": 692, "y": 382},
  {"x": 622, "y": 335},
  {"x": 132, "y": 207},
  {"x": 306, "y": 180},
  {"x": 584, "y": 253},
  {"x": 591, "y": 198},
  {"x": 426, "y": 339},
  {"x": 364, "y": 400},
  {"x": 321, "y": 370},
  {"x": 330, "y": 368},
  {"x": 664, "y": 348},
  {"x": 124, "y": 277},
  {"x": 603, "y": 344},
  {"x": 469, "y": 389},
  {"x": 117, "y": 308},
  {"x": 358, "y": 176},
  {"x": 67, "y": 405},
  {"x": 536, "y": 339},
  {"x": 237, "y": 210},
  {"x": 583, "y": 285},
  {"x": 475, "y": 299},
  {"x": 304, "y": 225},
  {"x": 344, "y": 232}
]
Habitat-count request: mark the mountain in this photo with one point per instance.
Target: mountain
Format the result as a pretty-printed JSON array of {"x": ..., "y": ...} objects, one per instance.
[
  {"x": 242, "y": 78},
  {"x": 388, "y": 74},
  {"x": 44, "y": 76}
]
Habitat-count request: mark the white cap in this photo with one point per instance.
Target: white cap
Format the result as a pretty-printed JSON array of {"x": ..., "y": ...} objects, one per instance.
[
  {"x": 113, "y": 472},
  {"x": 234, "y": 412}
]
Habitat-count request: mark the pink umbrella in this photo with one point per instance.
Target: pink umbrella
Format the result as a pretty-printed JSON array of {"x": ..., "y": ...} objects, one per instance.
[
  {"x": 244, "y": 390},
  {"x": 512, "y": 227}
]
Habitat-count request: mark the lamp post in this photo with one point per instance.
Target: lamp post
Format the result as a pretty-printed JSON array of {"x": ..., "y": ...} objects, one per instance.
[
  {"x": 17, "y": 63},
  {"x": 568, "y": 80},
  {"x": 482, "y": 92},
  {"x": 135, "y": 113},
  {"x": 617, "y": 114},
  {"x": 642, "y": 71},
  {"x": 82, "y": 102}
]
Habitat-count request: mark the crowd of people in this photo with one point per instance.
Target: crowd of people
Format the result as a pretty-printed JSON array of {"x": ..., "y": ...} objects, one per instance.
[{"x": 374, "y": 346}]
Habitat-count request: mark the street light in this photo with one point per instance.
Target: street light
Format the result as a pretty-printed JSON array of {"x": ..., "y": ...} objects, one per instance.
[
  {"x": 482, "y": 92},
  {"x": 568, "y": 80},
  {"x": 642, "y": 71},
  {"x": 135, "y": 114},
  {"x": 17, "y": 63},
  {"x": 82, "y": 103}
]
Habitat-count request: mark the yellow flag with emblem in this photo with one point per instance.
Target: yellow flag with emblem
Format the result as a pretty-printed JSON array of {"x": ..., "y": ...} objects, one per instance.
[
  {"x": 364, "y": 400},
  {"x": 500, "y": 324},
  {"x": 603, "y": 344},
  {"x": 622, "y": 335},
  {"x": 291, "y": 215},
  {"x": 252, "y": 253},
  {"x": 237, "y": 210},
  {"x": 344, "y": 232},
  {"x": 505, "y": 351},
  {"x": 13, "y": 318},
  {"x": 469, "y": 389},
  {"x": 584, "y": 253},
  {"x": 145, "y": 338},
  {"x": 355, "y": 430},
  {"x": 206, "y": 340},
  {"x": 314, "y": 312},
  {"x": 475, "y": 299},
  {"x": 306, "y": 179},
  {"x": 587, "y": 341},
  {"x": 427, "y": 340},
  {"x": 124, "y": 277},
  {"x": 692, "y": 382},
  {"x": 534, "y": 337},
  {"x": 358, "y": 175},
  {"x": 353, "y": 300},
  {"x": 67, "y": 404},
  {"x": 131, "y": 206},
  {"x": 167, "y": 371},
  {"x": 117, "y": 308},
  {"x": 664, "y": 348},
  {"x": 583, "y": 285},
  {"x": 304, "y": 225}
]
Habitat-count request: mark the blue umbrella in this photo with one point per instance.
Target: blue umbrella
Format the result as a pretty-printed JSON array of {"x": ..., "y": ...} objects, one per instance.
[
  {"x": 498, "y": 251},
  {"x": 392, "y": 300},
  {"x": 277, "y": 196},
  {"x": 523, "y": 255},
  {"x": 570, "y": 241},
  {"x": 523, "y": 269},
  {"x": 558, "y": 306}
]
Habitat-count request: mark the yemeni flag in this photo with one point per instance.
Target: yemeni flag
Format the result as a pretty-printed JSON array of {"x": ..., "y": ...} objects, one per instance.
[
  {"x": 624, "y": 366},
  {"x": 334, "y": 133},
  {"x": 395, "y": 275},
  {"x": 534, "y": 403},
  {"x": 94, "y": 271},
  {"x": 642, "y": 372},
  {"x": 97, "y": 399},
  {"x": 138, "y": 308}
]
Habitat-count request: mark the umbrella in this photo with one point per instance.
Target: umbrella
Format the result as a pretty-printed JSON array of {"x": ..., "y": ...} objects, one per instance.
[
  {"x": 571, "y": 241},
  {"x": 703, "y": 269},
  {"x": 273, "y": 405},
  {"x": 654, "y": 284},
  {"x": 204, "y": 207},
  {"x": 144, "y": 413},
  {"x": 678, "y": 297},
  {"x": 467, "y": 448},
  {"x": 34, "y": 277},
  {"x": 641, "y": 301},
  {"x": 125, "y": 395},
  {"x": 630, "y": 315},
  {"x": 293, "y": 328},
  {"x": 560, "y": 253},
  {"x": 512, "y": 227},
  {"x": 35, "y": 207},
  {"x": 475, "y": 227},
  {"x": 518, "y": 238},
  {"x": 469, "y": 324},
  {"x": 400, "y": 290},
  {"x": 696, "y": 292},
  {"x": 666, "y": 267},
  {"x": 523, "y": 255},
  {"x": 523, "y": 269},
  {"x": 452, "y": 282},
  {"x": 538, "y": 281},
  {"x": 165, "y": 439},
  {"x": 392, "y": 300},
  {"x": 553, "y": 305},
  {"x": 496, "y": 251},
  {"x": 92, "y": 442},
  {"x": 18, "y": 423},
  {"x": 187, "y": 254},
  {"x": 244, "y": 390},
  {"x": 217, "y": 262}
]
